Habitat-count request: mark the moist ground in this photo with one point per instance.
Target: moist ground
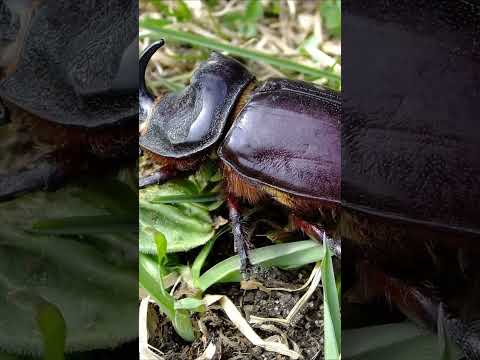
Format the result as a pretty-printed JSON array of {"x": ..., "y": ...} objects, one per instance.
[{"x": 306, "y": 331}]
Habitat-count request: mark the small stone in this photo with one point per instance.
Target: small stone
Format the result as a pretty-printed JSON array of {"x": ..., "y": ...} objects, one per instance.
[
  {"x": 249, "y": 297},
  {"x": 285, "y": 299},
  {"x": 257, "y": 350}
]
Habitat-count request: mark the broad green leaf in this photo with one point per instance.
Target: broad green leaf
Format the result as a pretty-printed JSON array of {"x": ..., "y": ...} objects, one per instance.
[
  {"x": 77, "y": 273},
  {"x": 180, "y": 210},
  {"x": 183, "y": 325},
  {"x": 191, "y": 304},
  {"x": 185, "y": 226}
]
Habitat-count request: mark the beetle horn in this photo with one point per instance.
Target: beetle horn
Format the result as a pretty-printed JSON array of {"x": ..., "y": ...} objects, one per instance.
[{"x": 145, "y": 98}]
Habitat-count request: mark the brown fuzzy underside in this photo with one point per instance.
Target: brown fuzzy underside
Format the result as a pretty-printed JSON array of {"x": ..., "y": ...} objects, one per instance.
[
  {"x": 189, "y": 163},
  {"x": 106, "y": 142},
  {"x": 242, "y": 188}
]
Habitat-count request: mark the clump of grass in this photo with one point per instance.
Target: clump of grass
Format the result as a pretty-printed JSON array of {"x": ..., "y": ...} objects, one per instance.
[{"x": 275, "y": 38}]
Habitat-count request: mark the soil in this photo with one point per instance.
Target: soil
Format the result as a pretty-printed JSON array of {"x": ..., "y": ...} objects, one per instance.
[{"x": 306, "y": 332}]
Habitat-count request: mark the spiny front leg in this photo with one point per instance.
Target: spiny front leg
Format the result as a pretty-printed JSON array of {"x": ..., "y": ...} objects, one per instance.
[
  {"x": 45, "y": 174},
  {"x": 318, "y": 233},
  {"x": 157, "y": 178},
  {"x": 239, "y": 235}
]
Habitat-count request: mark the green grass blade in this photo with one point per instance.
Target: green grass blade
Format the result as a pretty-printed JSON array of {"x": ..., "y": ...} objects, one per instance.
[
  {"x": 285, "y": 255},
  {"x": 175, "y": 199},
  {"x": 397, "y": 341},
  {"x": 150, "y": 280},
  {"x": 48, "y": 318},
  {"x": 159, "y": 31},
  {"x": 161, "y": 243},
  {"x": 331, "y": 310},
  {"x": 52, "y": 327},
  {"x": 202, "y": 257}
]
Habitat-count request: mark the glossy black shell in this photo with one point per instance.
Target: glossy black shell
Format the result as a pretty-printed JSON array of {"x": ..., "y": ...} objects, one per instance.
[
  {"x": 185, "y": 123},
  {"x": 79, "y": 80},
  {"x": 288, "y": 137},
  {"x": 411, "y": 153}
]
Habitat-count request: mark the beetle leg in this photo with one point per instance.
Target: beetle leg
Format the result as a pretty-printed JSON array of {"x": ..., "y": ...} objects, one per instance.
[
  {"x": 47, "y": 174},
  {"x": 239, "y": 235},
  {"x": 157, "y": 178},
  {"x": 420, "y": 305},
  {"x": 319, "y": 234}
]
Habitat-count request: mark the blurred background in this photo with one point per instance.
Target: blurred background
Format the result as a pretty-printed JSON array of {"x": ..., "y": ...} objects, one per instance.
[{"x": 274, "y": 38}]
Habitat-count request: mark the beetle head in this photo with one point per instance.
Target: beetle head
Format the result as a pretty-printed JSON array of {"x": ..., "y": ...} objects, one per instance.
[{"x": 185, "y": 123}]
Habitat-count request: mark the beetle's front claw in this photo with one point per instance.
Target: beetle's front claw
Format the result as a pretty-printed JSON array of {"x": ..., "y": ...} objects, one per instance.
[
  {"x": 46, "y": 175},
  {"x": 157, "y": 178}
]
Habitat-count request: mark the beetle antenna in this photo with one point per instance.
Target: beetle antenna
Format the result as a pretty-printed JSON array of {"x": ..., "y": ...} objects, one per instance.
[{"x": 145, "y": 97}]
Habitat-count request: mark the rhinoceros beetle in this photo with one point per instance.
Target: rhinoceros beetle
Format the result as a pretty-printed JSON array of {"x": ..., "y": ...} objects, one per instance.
[
  {"x": 266, "y": 136},
  {"x": 66, "y": 78}
]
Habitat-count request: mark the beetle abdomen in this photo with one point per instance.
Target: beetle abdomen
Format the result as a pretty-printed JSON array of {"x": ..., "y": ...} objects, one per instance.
[{"x": 287, "y": 138}]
